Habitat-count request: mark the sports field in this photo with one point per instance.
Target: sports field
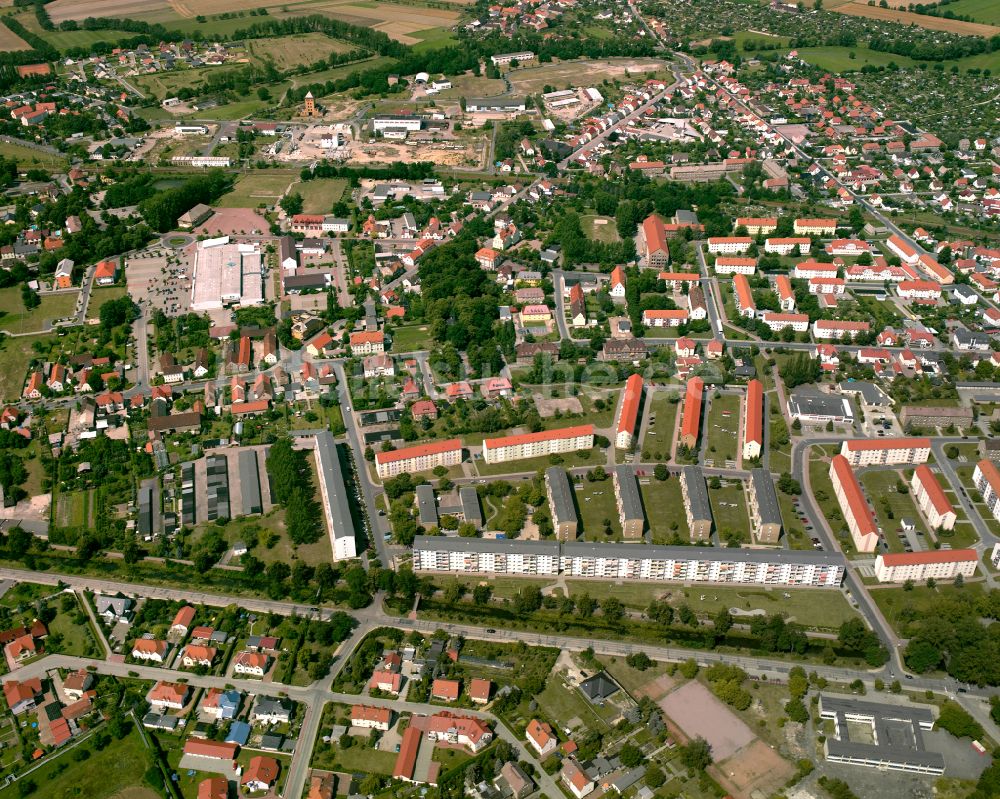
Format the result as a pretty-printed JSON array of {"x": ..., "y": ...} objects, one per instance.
[
  {"x": 256, "y": 188},
  {"x": 318, "y": 196}
]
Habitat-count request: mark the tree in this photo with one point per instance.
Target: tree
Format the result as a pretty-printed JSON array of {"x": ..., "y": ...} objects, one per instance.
[
  {"x": 723, "y": 621},
  {"x": 655, "y": 777},
  {"x": 292, "y": 203},
  {"x": 955, "y": 719},
  {"x": 639, "y": 661},
  {"x": 689, "y": 669},
  {"x": 528, "y": 600},
  {"x": 696, "y": 755},
  {"x": 660, "y": 472},
  {"x": 630, "y": 755},
  {"x": 796, "y": 710},
  {"x": 612, "y": 609}
]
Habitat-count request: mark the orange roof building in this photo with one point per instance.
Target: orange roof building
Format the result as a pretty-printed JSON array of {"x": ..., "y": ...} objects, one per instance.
[
  {"x": 691, "y": 423},
  {"x": 628, "y": 415},
  {"x": 854, "y": 505},
  {"x": 420, "y": 458},
  {"x": 753, "y": 420},
  {"x": 931, "y": 499},
  {"x": 534, "y": 445},
  {"x": 944, "y": 564}
]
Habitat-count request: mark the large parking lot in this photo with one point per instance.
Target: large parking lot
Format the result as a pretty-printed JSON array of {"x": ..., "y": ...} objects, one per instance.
[{"x": 160, "y": 279}]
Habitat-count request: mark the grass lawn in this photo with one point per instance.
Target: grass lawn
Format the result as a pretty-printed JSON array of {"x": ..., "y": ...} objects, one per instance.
[
  {"x": 838, "y": 59},
  {"x": 722, "y": 427},
  {"x": 364, "y": 760},
  {"x": 28, "y": 157},
  {"x": 565, "y": 704},
  {"x": 801, "y": 604},
  {"x": 15, "y": 318},
  {"x": 628, "y": 678},
  {"x": 318, "y": 196},
  {"x": 433, "y": 39},
  {"x": 922, "y": 600},
  {"x": 110, "y": 772},
  {"x": 411, "y": 338},
  {"x": 503, "y": 587},
  {"x": 16, "y": 354},
  {"x": 596, "y": 503},
  {"x": 664, "y": 506},
  {"x": 585, "y": 457},
  {"x": 985, "y": 11},
  {"x": 286, "y": 52},
  {"x": 659, "y": 435},
  {"x": 99, "y": 296},
  {"x": 600, "y": 228},
  {"x": 258, "y": 188},
  {"x": 74, "y": 509},
  {"x": 880, "y": 488},
  {"x": 729, "y": 511},
  {"x": 77, "y": 638},
  {"x": 826, "y": 499}
]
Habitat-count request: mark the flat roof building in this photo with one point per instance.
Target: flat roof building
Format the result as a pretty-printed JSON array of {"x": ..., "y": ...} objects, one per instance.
[
  {"x": 427, "y": 511},
  {"x": 560, "y": 495},
  {"x": 696, "y": 505},
  {"x": 629, "y": 502},
  {"x": 815, "y": 406},
  {"x": 336, "y": 504},
  {"x": 468, "y": 497},
  {"x": 765, "y": 514},
  {"x": 250, "y": 482},
  {"x": 227, "y": 275}
]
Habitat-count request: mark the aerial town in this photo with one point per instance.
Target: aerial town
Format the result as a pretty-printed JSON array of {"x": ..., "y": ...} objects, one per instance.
[{"x": 433, "y": 399}]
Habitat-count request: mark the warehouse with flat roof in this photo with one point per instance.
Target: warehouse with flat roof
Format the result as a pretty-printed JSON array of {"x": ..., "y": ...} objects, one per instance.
[{"x": 227, "y": 275}]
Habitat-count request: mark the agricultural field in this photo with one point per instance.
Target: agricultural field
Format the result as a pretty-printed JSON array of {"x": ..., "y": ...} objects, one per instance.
[
  {"x": 318, "y": 196},
  {"x": 860, "y": 8},
  {"x": 257, "y": 188},
  {"x": 28, "y": 157},
  {"x": 287, "y": 52},
  {"x": 11, "y": 41},
  {"x": 400, "y": 22},
  {"x": 985, "y": 11},
  {"x": 15, "y": 318}
]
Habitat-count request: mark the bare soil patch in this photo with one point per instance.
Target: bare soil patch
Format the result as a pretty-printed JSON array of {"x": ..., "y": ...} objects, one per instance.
[
  {"x": 862, "y": 9},
  {"x": 755, "y": 770},
  {"x": 697, "y": 713}
]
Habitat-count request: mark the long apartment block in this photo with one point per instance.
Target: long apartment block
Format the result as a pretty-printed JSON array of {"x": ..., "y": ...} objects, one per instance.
[
  {"x": 449, "y": 554},
  {"x": 885, "y": 451},
  {"x": 534, "y": 445}
]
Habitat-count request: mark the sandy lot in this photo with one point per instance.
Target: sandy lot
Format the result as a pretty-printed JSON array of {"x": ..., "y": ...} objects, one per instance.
[
  {"x": 656, "y": 689},
  {"x": 233, "y": 222},
  {"x": 441, "y": 153},
  {"x": 756, "y": 768},
  {"x": 548, "y": 406},
  {"x": 696, "y": 711},
  {"x": 565, "y": 75},
  {"x": 862, "y": 9}
]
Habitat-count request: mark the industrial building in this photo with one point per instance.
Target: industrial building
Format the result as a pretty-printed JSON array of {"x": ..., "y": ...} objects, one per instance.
[
  {"x": 250, "y": 482},
  {"x": 762, "y": 502},
  {"x": 227, "y": 275},
  {"x": 696, "y": 504},
  {"x": 217, "y": 497},
  {"x": 629, "y": 502},
  {"x": 777, "y": 567},
  {"x": 427, "y": 510},
  {"x": 560, "y": 494},
  {"x": 336, "y": 504},
  {"x": 895, "y": 742}
]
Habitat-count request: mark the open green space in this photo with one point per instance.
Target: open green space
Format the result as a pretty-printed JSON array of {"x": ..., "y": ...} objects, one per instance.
[
  {"x": 256, "y": 188},
  {"x": 411, "y": 338},
  {"x": 565, "y": 705},
  {"x": 729, "y": 511},
  {"x": 568, "y": 460},
  {"x": 920, "y": 601},
  {"x": 631, "y": 679},
  {"x": 114, "y": 771},
  {"x": 318, "y": 196},
  {"x": 891, "y": 507},
  {"x": 16, "y": 354},
  {"x": 15, "y": 318},
  {"x": 838, "y": 59},
  {"x": 600, "y": 228},
  {"x": 434, "y": 39},
  {"x": 822, "y": 490},
  {"x": 721, "y": 429},
  {"x": 75, "y": 509},
  {"x": 596, "y": 505},
  {"x": 657, "y": 442},
  {"x": 985, "y": 11},
  {"x": 28, "y": 157},
  {"x": 102, "y": 294},
  {"x": 664, "y": 505}
]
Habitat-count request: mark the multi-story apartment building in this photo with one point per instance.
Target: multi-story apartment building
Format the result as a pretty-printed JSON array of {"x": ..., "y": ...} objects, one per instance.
[
  {"x": 628, "y": 413},
  {"x": 786, "y": 296},
  {"x": 729, "y": 245},
  {"x": 697, "y": 508},
  {"x": 753, "y": 420},
  {"x": 655, "y": 239},
  {"x": 336, "y": 502},
  {"x": 815, "y": 227},
  {"x": 838, "y": 328},
  {"x": 628, "y": 502},
  {"x": 853, "y": 504},
  {"x": 799, "y": 322},
  {"x": 762, "y": 502},
  {"x": 560, "y": 495},
  {"x": 735, "y": 266},
  {"x": 691, "y": 423},
  {"x": 745, "y": 305},
  {"x": 420, "y": 458},
  {"x": 987, "y": 480},
  {"x": 944, "y": 564},
  {"x": 861, "y": 452},
  {"x": 931, "y": 499},
  {"x": 788, "y": 245},
  {"x": 535, "y": 445},
  {"x": 758, "y": 226},
  {"x": 779, "y": 567}
]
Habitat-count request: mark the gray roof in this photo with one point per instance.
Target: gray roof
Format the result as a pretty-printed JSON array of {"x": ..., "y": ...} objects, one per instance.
[
  {"x": 116, "y": 604},
  {"x": 511, "y": 546},
  {"x": 250, "y": 482},
  {"x": 427, "y": 505},
  {"x": 599, "y": 687},
  {"x": 870, "y": 393},
  {"x": 330, "y": 472},
  {"x": 628, "y": 491},
  {"x": 767, "y": 499},
  {"x": 469, "y": 498},
  {"x": 583, "y": 549},
  {"x": 697, "y": 493},
  {"x": 563, "y": 508},
  {"x": 816, "y": 403},
  {"x": 495, "y": 102}
]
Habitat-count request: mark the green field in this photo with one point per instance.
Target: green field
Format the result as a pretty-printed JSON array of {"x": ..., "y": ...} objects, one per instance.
[
  {"x": 600, "y": 228},
  {"x": 257, "y": 188},
  {"x": 838, "y": 59},
  {"x": 99, "y": 296},
  {"x": 318, "y": 196},
  {"x": 434, "y": 39},
  {"x": 922, "y": 600},
  {"x": 115, "y": 771},
  {"x": 664, "y": 506},
  {"x": 16, "y": 354},
  {"x": 75, "y": 509},
  {"x": 596, "y": 504},
  {"x": 15, "y": 318},
  {"x": 411, "y": 338},
  {"x": 659, "y": 436},
  {"x": 568, "y": 708},
  {"x": 729, "y": 511},
  {"x": 985, "y": 11},
  {"x": 880, "y": 488},
  {"x": 586, "y": 457},
  {"x": 28, "y": 157},
  {"x": 721, "y": 428}
]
